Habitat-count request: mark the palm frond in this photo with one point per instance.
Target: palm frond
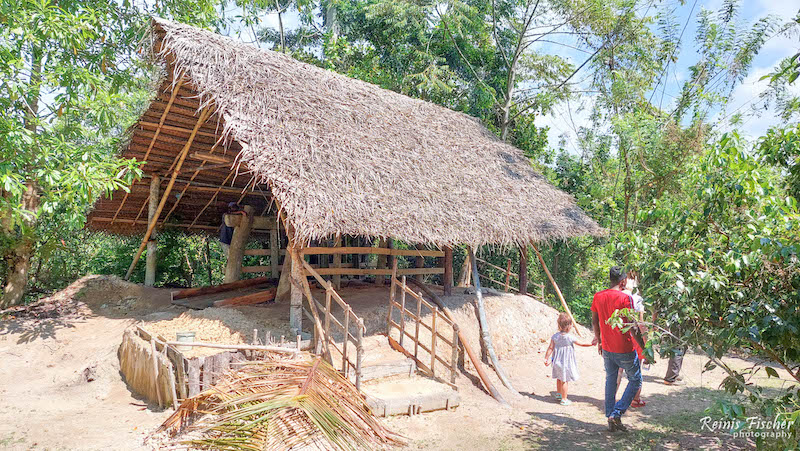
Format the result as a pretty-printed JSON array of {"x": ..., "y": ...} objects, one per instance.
[{"x": 279, "y": 405}]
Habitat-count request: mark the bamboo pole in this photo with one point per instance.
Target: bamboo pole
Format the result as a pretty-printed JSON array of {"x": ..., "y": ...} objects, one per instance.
[
  {"x": 203, "y": 116},
  {"x": 241, "y": 347},
  {"x": 485, "y": 336},
  {"x": 558, "y": 290}
]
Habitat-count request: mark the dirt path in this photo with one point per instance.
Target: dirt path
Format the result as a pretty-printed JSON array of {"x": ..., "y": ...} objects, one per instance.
[{"x": 60, "y": 388}]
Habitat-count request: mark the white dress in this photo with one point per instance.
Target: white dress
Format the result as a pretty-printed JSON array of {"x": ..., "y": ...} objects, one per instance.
[{"x": 565, "y": 367}]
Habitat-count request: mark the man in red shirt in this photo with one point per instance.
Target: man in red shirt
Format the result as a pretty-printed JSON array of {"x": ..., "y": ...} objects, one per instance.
[{"x": 616, "y": 347}]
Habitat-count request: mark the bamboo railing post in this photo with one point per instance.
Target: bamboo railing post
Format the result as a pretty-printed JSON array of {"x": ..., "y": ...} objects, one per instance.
[
  {"x": 359, "y": 351},
  {"x": 557, "y": 290},
  {"x": 434, "y": 332},
  {"x": 454, "y": 355},
  {"x": 345, "y": 363},
  {"x": 403, "y": 311},
  {"x": 392, "y": 291},
  {"x": 327, "y": 326},
  {"x": 416, "y": 328},
  {"x": 508, "y": 275}
]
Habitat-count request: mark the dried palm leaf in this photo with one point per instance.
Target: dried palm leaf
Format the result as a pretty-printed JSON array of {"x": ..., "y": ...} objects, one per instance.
[{"x": 280, "y": 405}]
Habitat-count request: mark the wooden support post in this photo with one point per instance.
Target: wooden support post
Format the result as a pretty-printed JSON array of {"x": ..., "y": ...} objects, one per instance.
[
  {"x": 523, "y": 269},
  {"x": 345, "y": 362},
  {"x": 181, "y": 157},
  {"x": 152, "y": 245},
  {"x": 419, "y": 262},
  {"x": 296, "y": 295},
  {"x": 233, "y": 268},
  {"x": 416, "y": 327},
  {"x": 466, "y": 272},
  {"x": 379, "y": 280},
  {"x": 274, "y": 253},
  {"x": 392, "y": 295},
  {"x": 508, "y": 275},
  {"x": 434, "y": 333},
  {"x": 337, "y": 263},
  {"x": 558, "y": 290},
  {"x": 403, "y": 289},
  {"x": 448, "y": 271},
  {"x": 359, "y": 351}
]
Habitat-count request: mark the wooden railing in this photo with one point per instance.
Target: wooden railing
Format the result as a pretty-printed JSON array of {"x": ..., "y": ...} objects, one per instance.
[
  {"x": 507, "y": 285},
  {"x": 349, "y": 320},
  {"x": 437, "y": 322},
  {"x": 339, "y": 270}
]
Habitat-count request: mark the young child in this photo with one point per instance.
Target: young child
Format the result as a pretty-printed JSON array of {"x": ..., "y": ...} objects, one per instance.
[{"x": 562, "y": 354}]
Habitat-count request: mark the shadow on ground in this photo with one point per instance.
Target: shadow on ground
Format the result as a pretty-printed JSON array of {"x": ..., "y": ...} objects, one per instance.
[{"x": 669, "y": 422}]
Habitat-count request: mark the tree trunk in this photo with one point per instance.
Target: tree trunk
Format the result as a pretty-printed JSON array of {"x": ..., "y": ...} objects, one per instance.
[{"x": 19, "y": 256}]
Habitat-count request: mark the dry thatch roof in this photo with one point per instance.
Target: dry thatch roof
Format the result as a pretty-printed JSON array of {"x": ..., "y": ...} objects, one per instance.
[{"x": 342, "y": 156}]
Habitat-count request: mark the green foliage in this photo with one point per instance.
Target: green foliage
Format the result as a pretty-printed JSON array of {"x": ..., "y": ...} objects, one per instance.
[
  {"x": 780, "y": 148},
  {"x": 720, "y": 266}
]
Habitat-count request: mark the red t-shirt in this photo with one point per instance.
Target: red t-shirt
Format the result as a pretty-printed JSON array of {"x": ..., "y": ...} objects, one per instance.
[{"x": 605, "y": 303}]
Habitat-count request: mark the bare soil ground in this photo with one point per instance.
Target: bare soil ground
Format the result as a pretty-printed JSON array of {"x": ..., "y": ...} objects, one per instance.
[{"x": 60, "y": 386}]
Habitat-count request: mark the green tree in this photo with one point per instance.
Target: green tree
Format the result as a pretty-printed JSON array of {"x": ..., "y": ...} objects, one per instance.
[
  {"x": 70, "y": 82},
  {"x": 720, "y": 265}
]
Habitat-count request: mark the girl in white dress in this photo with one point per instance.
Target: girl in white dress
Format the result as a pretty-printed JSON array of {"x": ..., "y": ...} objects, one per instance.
[{"x": 561, "y": 354}]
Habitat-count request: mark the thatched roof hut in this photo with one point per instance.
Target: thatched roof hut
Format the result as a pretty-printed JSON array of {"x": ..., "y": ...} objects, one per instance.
[{"x": 340, "y": 156}]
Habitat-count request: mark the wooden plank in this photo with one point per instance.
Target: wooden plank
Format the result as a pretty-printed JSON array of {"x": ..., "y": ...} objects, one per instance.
[
  {"x": 239, "y": 347},
  {"x": 378, "y": 272},
  {"x": 192, "y": 292},
  {"x": 194, "y": 376},
  {"x": 416, "y": 328},
  {"x": 259, "y": 222},
  {"x": 207, "y": 374},
  {"x": 208, "y": 156},
  {"x": 249, "y": 299},
  {"x": 370, "y": 250}
]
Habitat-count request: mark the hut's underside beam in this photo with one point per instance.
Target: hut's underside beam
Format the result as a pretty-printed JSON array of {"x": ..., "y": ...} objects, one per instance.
[
  {"x": 179, "y": 162},
  {"x": 153, "y": 141}
]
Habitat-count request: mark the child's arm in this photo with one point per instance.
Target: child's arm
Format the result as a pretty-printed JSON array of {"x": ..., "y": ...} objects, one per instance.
[
  {"x": 584, "y": 344},
  {"x": 549, "y": 352}
]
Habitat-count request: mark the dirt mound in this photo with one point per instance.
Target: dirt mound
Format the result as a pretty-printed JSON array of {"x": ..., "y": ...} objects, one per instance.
[
  {"x": 518, "y": 324},
  {"x": 212, "y": 325},
  {"x": 109, "y": 295}
]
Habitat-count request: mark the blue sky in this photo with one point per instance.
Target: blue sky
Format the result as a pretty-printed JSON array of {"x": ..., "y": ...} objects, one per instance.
[{"x": 568, "y": 117}]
